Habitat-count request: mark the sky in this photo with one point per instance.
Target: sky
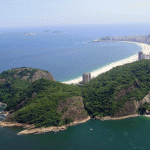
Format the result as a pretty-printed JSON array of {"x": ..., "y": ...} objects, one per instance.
[{"x": 31, "y": 13}]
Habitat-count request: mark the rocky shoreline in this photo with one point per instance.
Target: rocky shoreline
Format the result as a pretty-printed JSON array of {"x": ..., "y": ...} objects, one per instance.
[
  {"x": 5, "y": 113},
  {"x": 115, "y": 118},
  {"x": 15, "y": 124},
  {"x": 29, "y": 128},
  {"x": 3, "y": 104}
]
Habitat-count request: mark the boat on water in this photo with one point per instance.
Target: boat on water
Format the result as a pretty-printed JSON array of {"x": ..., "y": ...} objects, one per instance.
[{"x": 91, "y": 129}]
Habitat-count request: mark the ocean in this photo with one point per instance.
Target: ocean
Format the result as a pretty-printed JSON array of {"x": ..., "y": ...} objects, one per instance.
[
  {"x": 126, "y": 134},
  {"x": 67, "y": 52}
]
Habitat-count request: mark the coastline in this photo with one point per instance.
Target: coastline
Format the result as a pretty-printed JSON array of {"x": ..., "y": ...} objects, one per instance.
[
  {"x": 15, "y": 124},
  {"x": 29, "y": 128},
  {"x": 3, "y": 104},
  {"x": 145, "y": 48},
  {"x": 116, "y": 118}
]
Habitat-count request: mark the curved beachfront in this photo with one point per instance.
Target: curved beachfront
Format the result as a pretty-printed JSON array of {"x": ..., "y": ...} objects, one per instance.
[{"x": 145, "y": 48}]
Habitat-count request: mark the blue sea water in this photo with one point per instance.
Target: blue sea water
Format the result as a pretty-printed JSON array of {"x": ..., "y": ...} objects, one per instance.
[
  {"x": 66, "y": 52},
  {"x": 126, "y": 134}
]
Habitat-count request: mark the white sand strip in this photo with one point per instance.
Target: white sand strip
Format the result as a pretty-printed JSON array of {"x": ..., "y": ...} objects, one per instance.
[{"x": 145, "y": 49}]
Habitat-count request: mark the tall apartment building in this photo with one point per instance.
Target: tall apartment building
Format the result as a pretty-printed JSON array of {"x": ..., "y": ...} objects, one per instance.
[
  {"x": 140, "y": 55},
  {"x": 86, "y": 77}
]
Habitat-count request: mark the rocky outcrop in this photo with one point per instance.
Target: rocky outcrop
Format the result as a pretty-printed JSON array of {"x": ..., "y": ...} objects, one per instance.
[
  {"x": 73, "y": 108},
  {"x": 16, "y": 77},
  {"x": 25, "y": 73},
  {"x": 3, "y": 104},
  {"x": 52, "y": 128},
  {"x": 29, "y": 128},
  {"x": 5, "y": 113},
  {"x": 15, "y": 124},
  {"x": 2, "y": 80},
  {"x": 25, "y": 77},
  {"x": 42, "y": 130},
  {"x": 115, "y": 118},
  {"x": 130, "y": 109},
  {"x": 41, "y": 74}
]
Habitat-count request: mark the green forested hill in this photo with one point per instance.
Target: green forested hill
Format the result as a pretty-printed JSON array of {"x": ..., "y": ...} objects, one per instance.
[
  {"x": 13, "y": 82},
  {"x": 46, "y": 103},
  {"x": 107, "y": 94},
  {"x": 41, "y": 109},
  {"x": 34, "y": 100}
]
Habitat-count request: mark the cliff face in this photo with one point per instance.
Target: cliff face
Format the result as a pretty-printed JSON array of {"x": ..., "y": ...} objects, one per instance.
[
  {"x": 41, "y": 74},
  {"x": 73, "y": 108},
  {"x": 131, "y": 107}
]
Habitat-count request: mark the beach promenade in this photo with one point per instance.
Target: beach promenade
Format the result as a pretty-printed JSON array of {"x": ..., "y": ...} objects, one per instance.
[{"x": 145, "y": 48}]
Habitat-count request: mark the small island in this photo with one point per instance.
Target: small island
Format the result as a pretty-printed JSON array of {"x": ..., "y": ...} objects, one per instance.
[{"x": 29, "y": 33}]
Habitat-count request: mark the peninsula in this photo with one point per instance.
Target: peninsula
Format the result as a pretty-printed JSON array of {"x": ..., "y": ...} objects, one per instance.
[{"x": 38, "y": 103}]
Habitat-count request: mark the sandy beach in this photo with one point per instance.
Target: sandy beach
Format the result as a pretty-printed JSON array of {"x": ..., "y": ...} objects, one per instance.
[{"x": 145, "y": 48}]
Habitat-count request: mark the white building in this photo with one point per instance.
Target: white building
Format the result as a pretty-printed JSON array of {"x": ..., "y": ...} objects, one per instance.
[
  {"x": 142, "y": 56},
  {"x": 147, "y": 57}
]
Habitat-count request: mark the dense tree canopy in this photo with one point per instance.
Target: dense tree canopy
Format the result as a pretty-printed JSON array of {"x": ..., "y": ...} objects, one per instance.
[
  {"x": 102, "y": 95},
  {"x": 105, "y": 95},
  {"x": 42, "y": 109}
]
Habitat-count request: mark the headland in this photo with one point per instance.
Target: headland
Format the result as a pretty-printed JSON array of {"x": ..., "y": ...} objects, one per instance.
[{"x": 29, "y": 128}]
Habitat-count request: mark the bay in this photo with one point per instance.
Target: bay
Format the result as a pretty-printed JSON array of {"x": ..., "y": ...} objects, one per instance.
[
  {"x": 131, "y": 133},
  {"x": 67, "y": 52}
]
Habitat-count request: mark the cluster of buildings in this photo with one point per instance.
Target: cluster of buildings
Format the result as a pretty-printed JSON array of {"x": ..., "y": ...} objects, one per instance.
[
  {"x": 142, "y": 56},
  {"x": 86, "y": 77}
]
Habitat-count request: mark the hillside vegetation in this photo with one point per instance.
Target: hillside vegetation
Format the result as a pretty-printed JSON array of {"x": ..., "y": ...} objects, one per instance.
[
  {"x": 50, "y": 103},
  {"x": 43, "y": 102},
  {"x": 107, "y": 94},
  {"x": 42, "y": 99},
  {"x": 13, "y": 82}
]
